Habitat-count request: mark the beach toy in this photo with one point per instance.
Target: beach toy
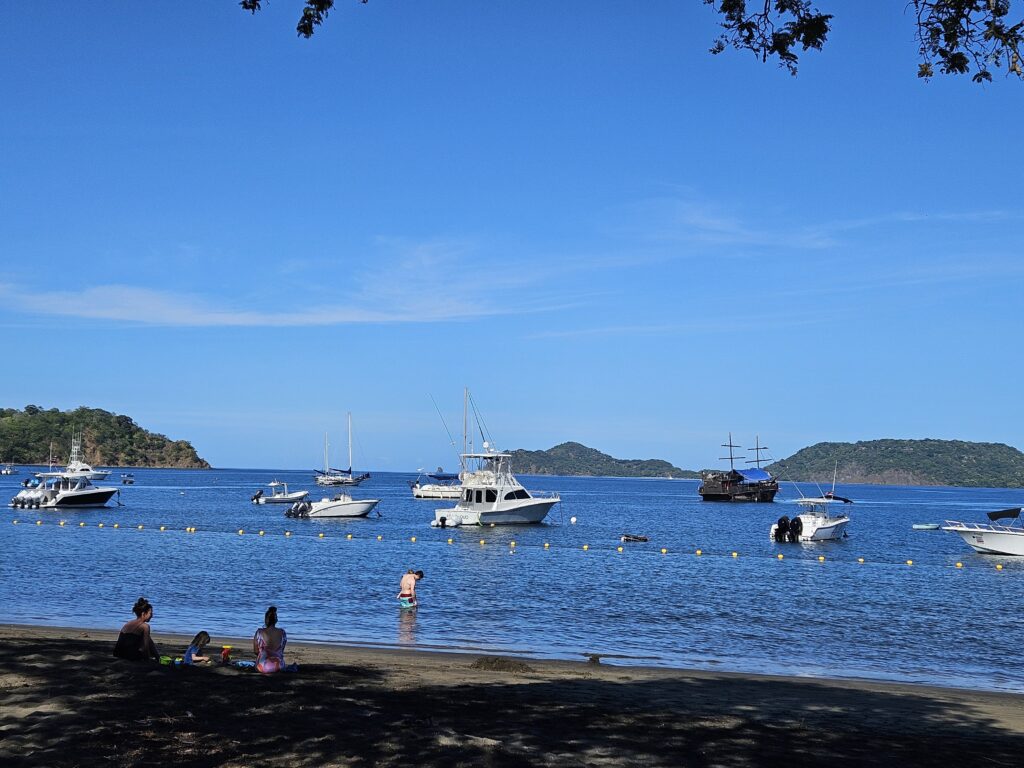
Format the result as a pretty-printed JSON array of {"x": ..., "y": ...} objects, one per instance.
[
  {"x": 242, "y": 664},
  {"x": 166, "y": 660},
  {"x": 225, "y": 654}
]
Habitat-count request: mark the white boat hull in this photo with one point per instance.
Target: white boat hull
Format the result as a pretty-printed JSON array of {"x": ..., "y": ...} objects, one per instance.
[
  {"x": 987, "y": 541},
  {"x": 818, "y": 529},
  {"x": 525, "y": 512},
  {"x": 283, "y": 498},
  {"x": 37, "y": 499},
  {"x": 343, "y": 507},
  {"x": 436, "y": 491}
]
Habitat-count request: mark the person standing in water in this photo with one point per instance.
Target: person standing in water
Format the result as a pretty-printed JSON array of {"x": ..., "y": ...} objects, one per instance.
[{"x": 407, "y": 588}]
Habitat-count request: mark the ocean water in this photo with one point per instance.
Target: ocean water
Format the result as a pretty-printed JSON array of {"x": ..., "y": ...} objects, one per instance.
[{"x": 929, "y": 622}]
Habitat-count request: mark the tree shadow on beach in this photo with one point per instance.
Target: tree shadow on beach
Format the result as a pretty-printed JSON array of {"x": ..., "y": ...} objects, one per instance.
[{"x": 62, "y": 705}]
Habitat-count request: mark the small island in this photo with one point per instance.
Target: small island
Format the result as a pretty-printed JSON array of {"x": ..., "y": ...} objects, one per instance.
[
  {"x": 108, "y": 439},
  {"x": 907, "y": 462},
  {"x": 570, "y": 459}
]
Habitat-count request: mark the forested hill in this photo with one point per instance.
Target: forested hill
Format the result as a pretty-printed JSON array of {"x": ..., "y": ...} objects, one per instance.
[
  {"x": 576, "y": 459},
  {"x": 108, "y": 440},
  {"x": 907, "y": 462}
]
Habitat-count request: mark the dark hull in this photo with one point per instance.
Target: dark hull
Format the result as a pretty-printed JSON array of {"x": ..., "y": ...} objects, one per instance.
[
  {"x": 764, "y": 495},
  {"x": 97, "y": 499}
]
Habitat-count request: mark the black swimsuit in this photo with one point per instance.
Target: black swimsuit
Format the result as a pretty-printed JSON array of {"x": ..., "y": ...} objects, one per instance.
[{"x": 131, "y": 646}]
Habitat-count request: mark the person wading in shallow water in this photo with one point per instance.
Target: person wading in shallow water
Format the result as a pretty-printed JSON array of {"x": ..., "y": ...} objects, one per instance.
[
  {"x": 407, "y": 588},
  {"x": 135, "y": 642}
]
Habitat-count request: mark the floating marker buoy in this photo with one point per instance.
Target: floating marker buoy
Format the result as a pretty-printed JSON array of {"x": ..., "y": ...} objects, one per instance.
[
  {"x": 546, "y": 545},
  {"x": 664, "y": 551},
  {"x": 512, "y": 544},
  {"x": 14, "y": 522},
  {"x": 959, "y": 565},
  {"x": 117, "y": 525},
  {"x": 40, "y": 522},
  {"x": 287, "y": 533},
  {"x": 348, "y": 536},
  {"x": 82, "y": 525},
  {"x": 481, "y": 542},
  {"x": 735, "y": 554},
  {"x": 821, "y": 558},
  {"x": 492, "y": 525},
  {"x": 163, "y": 527},
  {"x": 241, "y": 531},
  {"x": 780, "y": 556},
  {"x": 573, "y": 520},
  {"x": 860, "y": 559},
  {"x": 449, "y": 541},
  {"x": 321, "y": 535},
  {"x": 999, "y": 566},
  {"x": 101, "y": 525},
  {"x": 261, "y": 533},
  {"x": 700, "y": 552},
  {"x": 586, "y": 547},
  {"x": 618, "y": 549},
  {"x": 380, "y": 538},
  {"x": 412, "y": 538},
  {"x": 61, "y": 523},
  {"x": 910, "y": 562},
  {"x": 140, "y": 527}
]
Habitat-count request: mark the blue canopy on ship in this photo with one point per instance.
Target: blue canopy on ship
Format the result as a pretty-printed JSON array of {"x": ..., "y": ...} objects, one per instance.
[{"x": 754, "y": 475}]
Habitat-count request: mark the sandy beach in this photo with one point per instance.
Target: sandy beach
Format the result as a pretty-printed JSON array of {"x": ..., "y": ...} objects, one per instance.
[{"x": 66, "y": 702}]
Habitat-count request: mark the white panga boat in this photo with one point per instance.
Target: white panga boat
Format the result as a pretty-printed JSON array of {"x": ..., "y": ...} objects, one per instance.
[
  {"x": 331, "y": 476},
  {"x": 815, "y": 522},
  {"x": 62, "y": 489},
  {"x": 989, "y": 539},
  {"x": 78, "y": 467},
  {"x": 445, "y": 485},
  {"x": 339, "y": 505},
  {"x": 278, "y": 494}
]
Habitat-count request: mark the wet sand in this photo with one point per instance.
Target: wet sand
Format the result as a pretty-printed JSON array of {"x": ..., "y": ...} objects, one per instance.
[{"x": 64, "y": 701}]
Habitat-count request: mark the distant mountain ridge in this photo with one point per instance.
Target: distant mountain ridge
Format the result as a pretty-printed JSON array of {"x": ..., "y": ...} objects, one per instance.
[
  {"x": 108, "y": 439},
  {"x": 907, "y": 462},
  {"x": 577, "y": 459}
]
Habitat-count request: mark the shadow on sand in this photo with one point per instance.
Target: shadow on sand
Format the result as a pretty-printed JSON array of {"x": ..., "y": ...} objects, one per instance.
[{"x": 63, "y": 705}]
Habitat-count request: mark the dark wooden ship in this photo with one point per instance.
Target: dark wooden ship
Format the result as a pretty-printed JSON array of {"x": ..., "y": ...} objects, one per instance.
[{"x": 750, "y": 484}]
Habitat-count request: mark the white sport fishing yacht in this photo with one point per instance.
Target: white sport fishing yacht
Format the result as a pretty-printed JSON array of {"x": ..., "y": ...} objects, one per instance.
[
  {"x": 815, "y": 522},
  {"x": 78, "y": 467},
  {"x": 62, "y": 489}
]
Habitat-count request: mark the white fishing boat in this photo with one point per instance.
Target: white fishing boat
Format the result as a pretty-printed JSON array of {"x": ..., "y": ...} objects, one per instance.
[
  {"x": 8, "y": 469},
  {"x": 816, "y": 521},
  {"x": 62, "y": 489},
  {"x": 331, "y": 476},
  {"x": 990, "y": 539},
  {"x": 278, "y": 494},
  {"x": 437, "y": 485},
  {"x": 78, "y": 467},
  {"x": 491, "y": 493},
  {"x": 339, "y": 505}
]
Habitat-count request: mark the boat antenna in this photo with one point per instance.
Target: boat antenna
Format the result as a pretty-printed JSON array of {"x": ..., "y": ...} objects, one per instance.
[
  {"x": 731, "y": 457},
  {"x": 485, "y": 433},
  {"x": 448, "y": 431}
]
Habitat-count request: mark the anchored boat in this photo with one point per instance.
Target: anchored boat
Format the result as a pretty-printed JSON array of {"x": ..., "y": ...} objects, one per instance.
[
  {"x": 62, "y": 489},
  {"x": 340, "y": 505},
  {"x": 989, "y": 539},
  {"x": 278, "y": 494},
  {"x": 751, "y": 484}
]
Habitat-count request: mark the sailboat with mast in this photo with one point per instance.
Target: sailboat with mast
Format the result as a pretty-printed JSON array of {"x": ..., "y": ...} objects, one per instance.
[
  {"x": 750, "y": 484},
  {"x": 332, "y": 476}
]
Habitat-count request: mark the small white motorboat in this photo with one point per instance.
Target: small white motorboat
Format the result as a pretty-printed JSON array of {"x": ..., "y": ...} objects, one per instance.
[
  {"x": 278, "y": 495},
  {"x": 340, "y": 505},
  {"x": 8, "y": 469},
  {"x": 989, "y": 539},
  {"x": 815, "y": 522},
  {"x": 439, "y": 485}
]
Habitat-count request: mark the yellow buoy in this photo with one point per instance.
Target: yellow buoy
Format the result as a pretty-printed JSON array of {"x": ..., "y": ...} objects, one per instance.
[
  {"x": 735, "y": 554},
  {"x": 618, "y": 549},
  {"x": 512, "y": 544},
  {"x": 959, "y": 565},
  {"x": 910, "y": 562},
  {"x": 163, "y": 527},
  {"x": 241, "y": 531},
  {"x": 492, "y": 525},
  {"x": 321, "y": 535},
  {"x": 61, "y": 523},
  {"x": 380, "y": 538},
  {"x": 140, "y": 527},
  {"x": 780, "y": 556},
  {"x": 40, "y": 522},
  {"x": 481, "y": 542},
  {"x": 586, "y": 547},
  {"x": 81, "y": 525},
  {"x": 700, "y": 552},
  {"x": 287, "y": 533},
  {"x": 348, "y": 536},
  {"x": 664, "y": 551},
  {"x": 546, "y": 545},
  {"x": 101, "y": 525},
  {"x": 15, "y": 522},
  {"x": 860, "y": 559},
  {"x": 412, "y": 538},
  {"x": 261, "y": 533},
  {"x": 449, "y": 541},
  {"x": 999, "y": 566},
  {"x": 117, "y": 525},
  {"x": 821, "y": 558}
]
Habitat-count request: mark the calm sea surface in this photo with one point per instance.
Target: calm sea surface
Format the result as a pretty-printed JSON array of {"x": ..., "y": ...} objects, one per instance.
[{"x": 930, "y": 622}]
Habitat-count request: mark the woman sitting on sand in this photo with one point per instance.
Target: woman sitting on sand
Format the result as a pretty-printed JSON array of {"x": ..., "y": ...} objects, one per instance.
[
  {"x": 135, "y": 642},
  {"x": 268, "y": 645}
]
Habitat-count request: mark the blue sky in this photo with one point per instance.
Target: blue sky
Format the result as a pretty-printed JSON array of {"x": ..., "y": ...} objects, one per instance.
[{"x": 234, "y": 235}]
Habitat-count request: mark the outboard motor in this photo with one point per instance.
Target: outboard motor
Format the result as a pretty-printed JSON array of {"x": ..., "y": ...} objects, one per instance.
[
  {"x": 257, "y": 496},
  {"x": 796, "y": 527},
  {"x": 782, "y": 529}
]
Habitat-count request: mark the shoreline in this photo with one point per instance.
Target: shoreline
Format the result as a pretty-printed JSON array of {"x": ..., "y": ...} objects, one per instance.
[{"x": 65, "y": 701}]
